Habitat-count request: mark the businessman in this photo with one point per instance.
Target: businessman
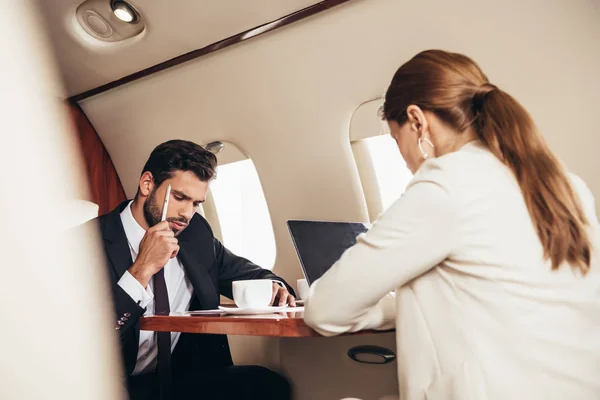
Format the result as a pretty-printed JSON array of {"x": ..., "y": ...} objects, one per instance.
[{"x": 178, "y": 265}]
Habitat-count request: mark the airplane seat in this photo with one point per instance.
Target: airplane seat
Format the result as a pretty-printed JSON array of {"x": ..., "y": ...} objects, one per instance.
[{"x": 80, "y": 212}]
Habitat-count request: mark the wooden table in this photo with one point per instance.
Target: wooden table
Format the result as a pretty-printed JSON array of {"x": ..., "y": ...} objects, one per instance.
[{"x": 284, "y": 324}]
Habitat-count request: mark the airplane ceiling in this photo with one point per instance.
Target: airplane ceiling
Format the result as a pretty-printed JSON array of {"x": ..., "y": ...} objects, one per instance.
[{"x": 172, "y": 29}]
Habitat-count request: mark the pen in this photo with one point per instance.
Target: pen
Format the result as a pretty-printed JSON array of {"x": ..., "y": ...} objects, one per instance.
[{"x": 166, "y": 205}]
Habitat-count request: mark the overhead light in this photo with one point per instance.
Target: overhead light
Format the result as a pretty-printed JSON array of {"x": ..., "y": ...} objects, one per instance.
[
  {"x": 124, "y": 11},
  {"x": 215, "y": 147}
]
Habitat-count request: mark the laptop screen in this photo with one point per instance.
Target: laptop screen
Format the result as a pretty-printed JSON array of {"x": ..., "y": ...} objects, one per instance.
[{"x": 320, "y": 244}]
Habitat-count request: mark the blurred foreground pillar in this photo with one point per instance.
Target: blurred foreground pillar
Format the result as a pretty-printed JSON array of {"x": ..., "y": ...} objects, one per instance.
[{"x": 57, "y": 339}]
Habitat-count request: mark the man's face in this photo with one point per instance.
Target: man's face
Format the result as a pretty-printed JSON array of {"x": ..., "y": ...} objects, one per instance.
[{"x": 187, "y": 193}]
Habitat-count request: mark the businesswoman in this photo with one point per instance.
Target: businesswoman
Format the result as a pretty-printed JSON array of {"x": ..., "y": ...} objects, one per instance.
[{"x": 487, "y": 266}]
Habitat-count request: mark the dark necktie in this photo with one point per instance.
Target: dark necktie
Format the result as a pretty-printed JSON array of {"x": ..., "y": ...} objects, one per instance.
[{"x": 161, "y": 305}]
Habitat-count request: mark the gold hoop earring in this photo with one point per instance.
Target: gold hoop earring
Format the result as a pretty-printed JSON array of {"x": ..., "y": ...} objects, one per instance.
[{"x": 420, "y": 142}]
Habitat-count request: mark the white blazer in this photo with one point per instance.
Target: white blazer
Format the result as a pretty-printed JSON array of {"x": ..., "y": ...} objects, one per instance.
[{"x": 456, "y": 265}]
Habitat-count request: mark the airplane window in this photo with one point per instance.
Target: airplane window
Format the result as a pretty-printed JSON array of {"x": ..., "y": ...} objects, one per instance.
[
  {"x": 243, "y": 214},
  {"x": 391, "y": 172},
  {"x": 381, "y": 168}
]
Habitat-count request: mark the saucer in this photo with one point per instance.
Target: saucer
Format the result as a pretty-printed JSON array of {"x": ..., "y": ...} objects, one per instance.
[{"x": 253, "y": 311}]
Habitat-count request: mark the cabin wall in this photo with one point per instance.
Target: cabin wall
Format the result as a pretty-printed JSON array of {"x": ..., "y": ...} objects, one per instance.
[{"x": 105, "y": 188}]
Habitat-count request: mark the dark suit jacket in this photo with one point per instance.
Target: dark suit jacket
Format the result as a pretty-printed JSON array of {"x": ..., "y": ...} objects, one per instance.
[{"x": 210, "y": 267}]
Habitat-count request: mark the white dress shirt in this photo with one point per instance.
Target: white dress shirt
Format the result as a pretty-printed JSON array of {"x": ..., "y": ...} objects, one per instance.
[
  {"x": 479, "y": 314},
  {"x": 179, "y": 288}
]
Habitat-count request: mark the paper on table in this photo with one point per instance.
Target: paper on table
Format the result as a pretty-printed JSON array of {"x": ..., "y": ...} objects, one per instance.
[{"x": 223, "y": 311}]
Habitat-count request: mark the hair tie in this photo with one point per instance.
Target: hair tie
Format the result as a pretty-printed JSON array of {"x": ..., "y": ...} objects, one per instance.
[{"x": 480, "y": 95}]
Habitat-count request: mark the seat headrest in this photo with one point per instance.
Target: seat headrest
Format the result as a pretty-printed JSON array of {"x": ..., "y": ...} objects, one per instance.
[{"x": 80, "y": 212}]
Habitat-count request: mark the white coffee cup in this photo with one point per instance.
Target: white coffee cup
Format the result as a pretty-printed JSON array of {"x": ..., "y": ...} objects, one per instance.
[
  {"x": 302, "y": 285},
  {"x": 255, "y": 293}
]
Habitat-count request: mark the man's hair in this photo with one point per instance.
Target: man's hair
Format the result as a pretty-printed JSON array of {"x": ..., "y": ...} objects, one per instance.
[{"x": 180, "y": 155}]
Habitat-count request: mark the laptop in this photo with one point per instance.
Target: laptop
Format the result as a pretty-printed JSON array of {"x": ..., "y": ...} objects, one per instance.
[{"x": 320, "y": 244}]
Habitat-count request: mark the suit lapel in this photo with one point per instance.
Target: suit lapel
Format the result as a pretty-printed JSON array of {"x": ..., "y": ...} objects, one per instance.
[
  {"x": 115, "y": 241},
  {"x": 197, "y": 272}
]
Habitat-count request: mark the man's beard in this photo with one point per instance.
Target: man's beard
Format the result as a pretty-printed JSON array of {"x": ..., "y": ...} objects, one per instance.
[{"x": 153, "y": 213}]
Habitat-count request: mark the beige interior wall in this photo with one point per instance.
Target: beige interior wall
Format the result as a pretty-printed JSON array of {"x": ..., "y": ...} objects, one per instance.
[
  {"x": 53, "y": 341},
  {"x": 286, "y": 99},
  {"x": 326, "y": 372}
]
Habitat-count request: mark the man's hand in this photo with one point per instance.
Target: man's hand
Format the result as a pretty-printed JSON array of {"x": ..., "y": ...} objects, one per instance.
[
  {"x": 156, "y": 248},
  {"x": 281, "y": 296}
]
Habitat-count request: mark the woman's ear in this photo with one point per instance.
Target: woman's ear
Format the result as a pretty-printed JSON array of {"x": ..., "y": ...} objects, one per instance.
[
  {"x": 146, "y": 183},
  {"x": 417, "y": 120}
]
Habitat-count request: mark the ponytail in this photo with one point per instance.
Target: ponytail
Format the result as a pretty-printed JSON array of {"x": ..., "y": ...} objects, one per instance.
[{"x": 509, "y": 132}]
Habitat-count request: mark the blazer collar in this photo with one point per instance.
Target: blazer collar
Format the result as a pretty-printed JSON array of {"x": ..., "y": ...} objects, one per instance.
[
  {"x": 115, "y": 240},
  {"x": 133, "y": 231},
  {"x": 194, "y": 243}
]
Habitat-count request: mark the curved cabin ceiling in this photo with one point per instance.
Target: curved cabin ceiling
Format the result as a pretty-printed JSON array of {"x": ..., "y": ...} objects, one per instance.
[{"x": 173, "y": 28}]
